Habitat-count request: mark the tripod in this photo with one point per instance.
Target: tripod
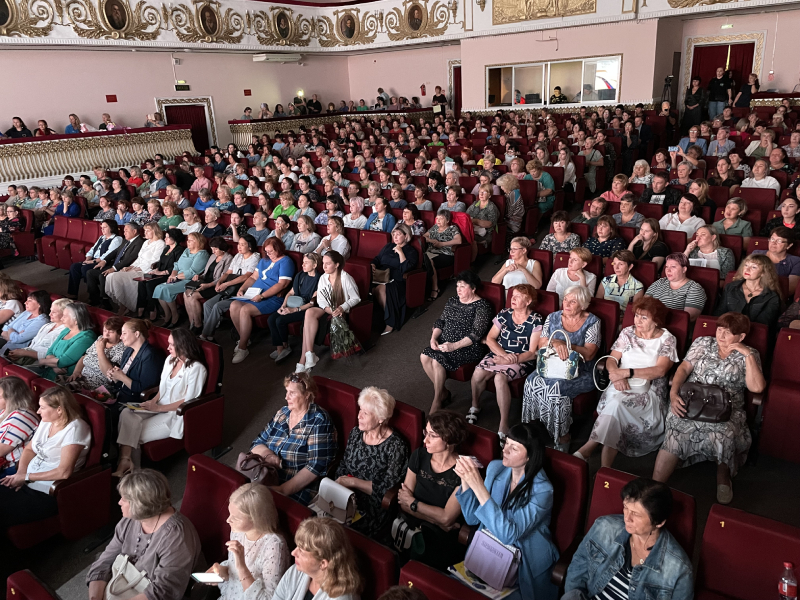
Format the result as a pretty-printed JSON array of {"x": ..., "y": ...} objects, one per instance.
[{"x": 666, "y": 94}]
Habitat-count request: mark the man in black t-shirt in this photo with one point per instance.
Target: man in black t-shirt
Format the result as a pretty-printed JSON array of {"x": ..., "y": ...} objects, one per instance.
[
  {"x": 314, "y": 106},
  {"x": 720, "y": 93}
]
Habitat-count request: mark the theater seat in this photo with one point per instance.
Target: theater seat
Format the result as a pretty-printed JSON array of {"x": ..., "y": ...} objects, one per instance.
[
  {"x": 340, "y": 401},
  {"x": 482, "y": 444},
  {"x": 377, "y": 562},
  {"x": 24, "y": 585},
  {"x": 203, "y": 419},
  {"x": 570, "y": 478},
  {"x": 209, "y": 484},
  {"x": 435, "y": 584},
  {"x": 781, "y": 427},
  {"x": 408, "y": 421},
  {"x": 290, "y": 514},
  {"x": 742, "y": 555},
  {"x": 47, "y": 244}
]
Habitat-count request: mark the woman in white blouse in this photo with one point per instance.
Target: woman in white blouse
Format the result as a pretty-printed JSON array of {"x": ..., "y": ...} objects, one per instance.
[
  {"x": 573, "y": 274},
  {"x": 257, "y": 554},
  {"x": 566, "y": 163},
  {"x": 42, "y": 341},
  {"x": 685, "y": 219},
  {"x": 191, "y": 221},
  {"x": 335, "y": 240},
  {"x": 182, "y": 380},
  {"x": 120, "y": 286},
  {"x": 11, "y": 297},
  {"x": 342, "y": 290},
  {"x": 58, "y": 449}
]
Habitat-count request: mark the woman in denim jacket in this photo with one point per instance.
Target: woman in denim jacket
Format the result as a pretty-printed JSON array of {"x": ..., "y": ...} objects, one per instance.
[{"x": 632, "y": 556}]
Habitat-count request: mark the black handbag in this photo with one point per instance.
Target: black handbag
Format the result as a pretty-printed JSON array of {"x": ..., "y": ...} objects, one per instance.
[{"x": 706, "y": 402}]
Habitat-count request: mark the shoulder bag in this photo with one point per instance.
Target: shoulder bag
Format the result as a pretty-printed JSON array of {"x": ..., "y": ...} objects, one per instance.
[
  {"x": 548, "y": 364},
  {"x": 335, "y": 501},
  {"x": 403, "y": 533},
  {"x": 706, "y": 402},
  {"x": 126, "y": 580},
  {"x": 602, "y": 379},
  {"x": 494, "y": 562},
  {"x": 255, "y": 468}
]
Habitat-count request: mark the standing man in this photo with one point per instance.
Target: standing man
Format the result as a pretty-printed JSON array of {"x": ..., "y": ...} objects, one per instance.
[{"x": 720, "y": 93}]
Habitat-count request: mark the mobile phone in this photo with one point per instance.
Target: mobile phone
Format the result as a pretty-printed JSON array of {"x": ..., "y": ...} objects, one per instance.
[
  {"x": 207, "y": 577},
  {"x": 674, "y": 148},
  {"x": 478, "y": 464}
]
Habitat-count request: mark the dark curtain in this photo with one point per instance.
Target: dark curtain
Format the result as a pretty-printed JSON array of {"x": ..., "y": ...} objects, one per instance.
[
  {"x": 456, "y": 91},
  {"x": 194, "y": 116},
  {"x": 741, "y": 63},
  {"x": 705, "y": 62}
]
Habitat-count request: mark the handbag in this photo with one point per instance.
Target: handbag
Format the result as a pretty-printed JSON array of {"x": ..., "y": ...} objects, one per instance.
[
  {"x": 126, "y": 580},
  {"x": 294, "y": 301},
  {"x": 192, "y": 285},
  {"x": 705, "y": 402},
  {"x": 403, "y": 534},
  {"x": 548, "y": 364},
  {"x": 335, "y": 501},
  {"x": 602, "y": 379},
  {"x": 255, "y": 468},
  {"x": 230, "y": 291},
  {"x": 380, "y": 276},
  {"x": 494, "y": 562}
]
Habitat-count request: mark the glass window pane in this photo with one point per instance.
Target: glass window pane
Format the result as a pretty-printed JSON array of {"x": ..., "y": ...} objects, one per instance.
[
  {"x": 528, "y": 84},
  {"x": 601, "y": 79},
  {"x": 499, "y": 84},
  {"x": 567, "y": 76}
]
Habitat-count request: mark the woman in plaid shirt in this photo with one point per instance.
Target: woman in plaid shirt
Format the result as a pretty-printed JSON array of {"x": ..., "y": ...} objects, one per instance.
[{"x": 300, "y": 441}]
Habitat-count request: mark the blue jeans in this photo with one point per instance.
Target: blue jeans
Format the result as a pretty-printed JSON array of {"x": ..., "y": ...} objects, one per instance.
[{"x": 715, "y": 108}]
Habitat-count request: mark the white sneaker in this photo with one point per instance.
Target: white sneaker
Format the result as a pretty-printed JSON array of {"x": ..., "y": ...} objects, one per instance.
[
  {"x": 239, "y": 355},
  {"x": 311, "y": 360},
  {"x": 577, "y": 454},
  {"x": 273, "y": 355},
  {"x": 283, "y": 354},
  {"x": 300, "y": 368}
]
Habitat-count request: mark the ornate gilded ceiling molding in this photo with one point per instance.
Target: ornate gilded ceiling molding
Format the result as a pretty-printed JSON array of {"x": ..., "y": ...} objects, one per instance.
[
  {"x": 205, "y": 22},
  {"x": 114, "y": 19},
  {"x": 26, "y": 19},
  {"x": 280, "y": 27},
  {"x": 416, "y": 19},
  {"x": 348, "y": 28},
  {"x": 514, "y": 11},
  {"x": 692, "y": 3}
]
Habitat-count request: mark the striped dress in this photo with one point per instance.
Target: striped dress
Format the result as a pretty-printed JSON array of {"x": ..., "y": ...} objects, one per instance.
[{"x": 16, "y": 429}]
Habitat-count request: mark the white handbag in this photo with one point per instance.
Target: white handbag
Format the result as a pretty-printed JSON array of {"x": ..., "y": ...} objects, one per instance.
[
  {"x": 335, "y": 501},
  {"x": 126, "y": 580},
  {"x": 548, "y": 364}
]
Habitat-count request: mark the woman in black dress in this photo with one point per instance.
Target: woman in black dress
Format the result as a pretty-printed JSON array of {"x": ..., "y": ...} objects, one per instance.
[
  {"x": 694, "y": 101},
  {"x": 161, "y": 271},
  {"x": 399, "y": 257}
]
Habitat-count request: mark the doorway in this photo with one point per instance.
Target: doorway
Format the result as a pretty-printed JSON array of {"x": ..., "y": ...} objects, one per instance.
[
  {"x": 454, "y": 68},
  {"x": 197, "y": 113},
  {"x": 737, "y": 58}
]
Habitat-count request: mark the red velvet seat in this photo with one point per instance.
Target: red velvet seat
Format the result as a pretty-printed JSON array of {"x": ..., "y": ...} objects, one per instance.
[
  {"x": 608, "y": 313},
  {"x": 10, "y": 370},
  {"x": 47, "y": 244},
  {"x": 377, "y": 562},
  {"x": 651, "y": 211},
  {"x": 643, "y": 270},
  {"x": 570, "y": 478},
  {"x": 209, "y": 484},
  {"x": 340, "y": 400},
  {"x": 409, "y": 422},
  {"x": 709, "y": 279},
  {"x": 781, "y": 427},
  {"x": 675, "y": 240},
  {"x": 24, "y": 240},
  {"x": 545, "y": 258},
  {"x": 481, "y": 443},
  {"x": 290, "y": 514},
  {"x": 742, "y": 555},
  {"x": 78, "y": 249},
  {"x": 595, "y": 266},
  {"x": 74, "y": 233},
  {"x": 39, "y": 385},
  {"x": 435, "y": 584},
  {"x": 677, "y": 324},
  {"x": 24, "y": 585},
  {"x": 759, "y": 199}
]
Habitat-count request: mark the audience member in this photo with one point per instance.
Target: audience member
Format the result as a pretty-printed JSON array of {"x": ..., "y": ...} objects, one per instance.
[
  {"x": 754, "y": 292},
  {"x": 519, "y": 268},
  {"x": 20, "y": 330},
  {"x": 574, "y": 273},
  {"x": 91, "y": 370},
  {"x": 18, "y": 422}
]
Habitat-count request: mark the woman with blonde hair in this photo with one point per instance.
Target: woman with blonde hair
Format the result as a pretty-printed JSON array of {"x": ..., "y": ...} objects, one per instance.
[
  {"x": 11, "y": 297},
  {"x": 754, "y": 292},
  {"x": 641, "y": 173},
  {"x": 257, "y": 554},
  {"x": 705, "y": 246},
  {"x": 191, "y": 262},
  {"x": 515, "y": 209},
  {"x": 325, "y": 564}
]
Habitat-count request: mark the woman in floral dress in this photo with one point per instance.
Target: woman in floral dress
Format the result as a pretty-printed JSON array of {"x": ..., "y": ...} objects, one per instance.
[
  {"x": 724, "y": 361},
  {"x": 633, "y": 422}
]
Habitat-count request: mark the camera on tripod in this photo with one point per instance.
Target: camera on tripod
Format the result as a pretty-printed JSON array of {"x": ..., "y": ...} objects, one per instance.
[{"x": 668, "y": 79}]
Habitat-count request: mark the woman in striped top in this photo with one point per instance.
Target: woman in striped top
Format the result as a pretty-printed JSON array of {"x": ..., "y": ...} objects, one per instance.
[{"x": 18, "y": 422}]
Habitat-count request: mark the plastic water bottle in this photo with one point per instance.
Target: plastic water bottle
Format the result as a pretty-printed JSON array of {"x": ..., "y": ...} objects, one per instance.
[{"x": 787, "y": 586}]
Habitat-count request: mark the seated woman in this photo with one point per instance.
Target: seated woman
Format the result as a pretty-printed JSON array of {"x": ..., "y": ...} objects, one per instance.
[
  {"x": 647, "y": 244},
  {"x": 123, "y": 214},
  {"x": 677, "y": 291},
  {"x": 398, "y": 199},
  {"x": 18, "y": 422},
  {"x": 303, "y": 294},
  {"x": 399, "y": 257},
  {"x": 172, "y": 216},
  {"x": 258, "y": 555},
  {"x": 627, "y": 215},
  {"x": 617, "y": 545},
  {"x": 300, "y": 441},
  {"x": 91, "y": 370},
  {"x": 286, "y": 206},
  {"x": 412, "y": 218},
  {"x": 58, "y": 449},
  {"x": 67, "y": 349},
  {"x": 325, "y": 567},
  {"x": 122, "y": 286},
  {"x": 191, "y": 221},
  {"x": 641, "y": 173},
  {"x": 561, "y": 240},
  {"x": 621, "y": 287},
  {"x": 37, "y": 349},
  {"x": 306, "y": 239},
  {"x": 419, "y": 199},
  {"x": 513, "y": 341},
  {"x": 191, "y": 262},
  {"x": 725, "y": 175},
  {"x": 183, "y": 378},
  {"x": 754, "y": 292},
  {"x": 355, "y": 218},
  {"x": 629, "y": 420},
  {"x": 519, "y": 268},
  {"x": 140, "y": 365},
  {"x": 204, "y": 285},
  {"x": 786, "y": 265},
  {"x": 684, "y": 171},
  {"x": 732, "y": 222},
  {"x": 108, "y": 241},
  {"x": 441, "y": 239},
  {"x": 515, "y": 500},
  {"x": 457, "y": 337},
  {"x": 335, "y": 240},
  {"x": 282, "y": 231},
  {"x": 334, "y": 207},
  {"x": 788, "y": 218},
  {"x": 304, "y": 208},
  {"x": 19, "y": 331},
  {"x": 706, "y": 247},
  {"x": 212, "y": 228},
  {"x": 427, "y": 497},
  {"x": 726, "y": 362},
  {"x": 375, "y": 459},
  {"x": 546, "y": 187},
  {"x": 172, "y": 552},
  {"x": 485, "y": 215},
  {"x": 607, "y": 240},
  {"x": 550, "y": 400},
  {"x": 515, "y": 208},
  {"x": 453, "y": 201},
  {"x": 573, "y": 274},
  {"x": 619, "y": 186},
  {"x": 686, "y": 218},
  {"x": 11, "y": 296},
  {"x": 381, "y": 218},
  {"x": 67, "y": 208},
  {"x": 107, "y": 212}
]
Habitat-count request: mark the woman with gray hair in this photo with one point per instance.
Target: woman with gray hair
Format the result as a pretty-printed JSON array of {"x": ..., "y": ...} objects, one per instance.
[
  {"x": 71, "y": 344},
  {"x": 398, "y": 257},
  {"x": 374, "y": 460},
  {"x": 44, "y": 338},
  {"x": 548, "y": 399},
  {"x": 156, "y": 539}
]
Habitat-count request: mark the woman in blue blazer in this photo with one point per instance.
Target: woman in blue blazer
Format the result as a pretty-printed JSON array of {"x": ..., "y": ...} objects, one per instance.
[
  {"x": 514, "y": 504},
  {"x": 144, "y": 372},
  {"x": 380, "y": 210}
]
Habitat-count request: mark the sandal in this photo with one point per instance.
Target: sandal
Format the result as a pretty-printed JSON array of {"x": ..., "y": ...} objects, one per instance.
[
  {"x": 472, "y": 415},
  {"x": 433, "y": 297},
  {"x": 447, "y": 399},
  {"x": 121, "y": 472}
]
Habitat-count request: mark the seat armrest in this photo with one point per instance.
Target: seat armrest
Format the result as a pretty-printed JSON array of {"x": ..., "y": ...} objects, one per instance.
[
  {"x": 390, "y": 497},
  {"x": 559, "y": 573},
  {"x": 465, "y": 534},
  {"x": 149, "y": 394},
  {"x": 195, "y": 402},
  {"x": 57, "y": 486},
  {"x": 756, "y": 399}
]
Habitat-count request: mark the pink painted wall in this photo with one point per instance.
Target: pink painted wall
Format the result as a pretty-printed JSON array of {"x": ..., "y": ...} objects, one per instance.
[
  {"x": 787, "y": 57},
  {"x": 401, "y": 72},
  {"x": 635, "y": 41},
  {"x": 137, "y": 78}
]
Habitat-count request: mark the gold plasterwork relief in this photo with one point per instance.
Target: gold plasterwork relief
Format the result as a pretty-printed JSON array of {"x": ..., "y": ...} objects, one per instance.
[
  {"x": 349, "y": 27},
  {"x": 691, "y": 3},
  {"x": 514, "y": 11},
  {"x": 417, "y": 19},
  {"x": 205, "y": 21},
  {"x": 114, "y": 19},
  {"x": 280, "y": 27},
  {"x": 27, "y": 19}
]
